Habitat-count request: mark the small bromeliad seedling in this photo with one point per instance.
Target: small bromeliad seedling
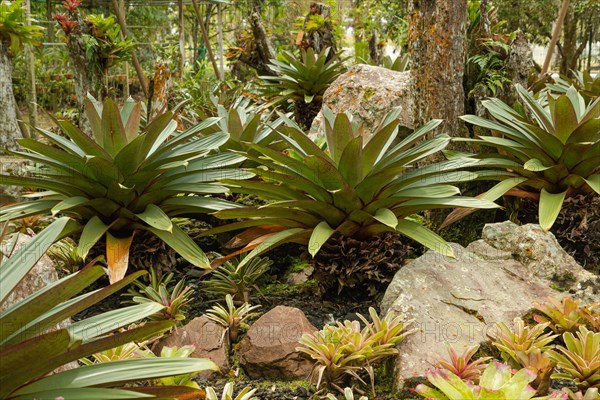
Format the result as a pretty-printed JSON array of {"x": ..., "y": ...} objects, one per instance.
[
  {"x": 247, "y": 393},
  {"x": 566, "y": 315},
  {"x": 348, "y": 395},
  {"x": 522, "y": 338},
  {"x": 237, "y": 280},
  {"x": 231, "y": 317},
  {"x": 175, "y": 298},
  {"x": 461, "y": 365}
]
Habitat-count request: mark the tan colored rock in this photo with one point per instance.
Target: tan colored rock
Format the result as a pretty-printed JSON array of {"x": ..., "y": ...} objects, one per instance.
[
  {"x": 269, "y": 348},
  {"x": 41, "y": 275},
  {"x": 369, "y": 93},
  {"x": 209, "y": 339},
  {"x": 298, "y": 278},
  {"x": 539, "y": 251}
]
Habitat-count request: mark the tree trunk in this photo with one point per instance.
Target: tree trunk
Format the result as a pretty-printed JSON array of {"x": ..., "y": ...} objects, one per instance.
[
  {"x": 9, "y": 128},
  {"x": 570, "y": 51},
  {"x": 321, "y": 38},
  {"x": 88, "y": 79},
  {"x": 568, "y": 61},
  {"x": 260, "y": 54},
  {"x": 437, "y": 36}
]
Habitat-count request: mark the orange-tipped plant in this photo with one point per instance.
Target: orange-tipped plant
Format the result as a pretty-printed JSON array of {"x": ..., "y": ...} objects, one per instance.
[{"x": 461, "y": 364}]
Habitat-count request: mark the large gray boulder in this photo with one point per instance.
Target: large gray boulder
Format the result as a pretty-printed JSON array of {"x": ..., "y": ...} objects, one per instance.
[
  {"x": 369, "y": 93},
  {"x": 458, "y": 301}
]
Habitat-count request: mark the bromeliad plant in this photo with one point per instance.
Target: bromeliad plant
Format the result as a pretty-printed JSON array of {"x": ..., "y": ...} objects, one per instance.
[
  {"x": 522, "y": 338},
  {"x": 14, "y": 31},
  {"x": 124, "y": 180},
  {"x": 343, "y": 351},
  {"x": 174, "y": 297},
  {"x": 245, "y": 124},
  {"x": 247, "y": 393},
  {"x": 354, "y": 189},
  {"x": 497, "y": 382},
  {"x": 237, "y": 282},
  {"x": 303, "y": 81},
  {"x": 461, "y": 365},
  {"x": 545, "y": 152},
  {"x": 590, "y": 394},
  {"x": 32, "y": 345},
  {"x": 566, "y": 315},
  {"x": 127, "y": 351},
  {"x": 579, "y": 361},
  {"x": 348, "y": 395},
  {"x": 231, "y": 317},
  {"x": 586, "y": 85}
]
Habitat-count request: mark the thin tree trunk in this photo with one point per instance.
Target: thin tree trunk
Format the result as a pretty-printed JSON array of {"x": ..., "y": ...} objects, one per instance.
[
  {"x": 50, "y": 28},
  {"x": 569, "y": 45},
  {"x": 30, "y": 62},
  {"x": 484, "y": 17},
  {"x": 87, "y": 80},
  {"x": 262, "y": 52},
  {"x": 181, "y": 39},
  {"x": 136, "y": 63},
  {"x": 437, "y": 43},
  {"x": 9, "y": 128},
  {"x": 206, "y": 38},
  {"x": 555, "y": 36}
]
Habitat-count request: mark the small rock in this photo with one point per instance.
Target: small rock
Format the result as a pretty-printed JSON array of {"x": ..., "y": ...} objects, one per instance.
[
  {"x": 269, "y": 348},
  {"x": 41, "y": 275},
  {"x": 209, "y": 339},
  {"x": 298, "y": 278}
]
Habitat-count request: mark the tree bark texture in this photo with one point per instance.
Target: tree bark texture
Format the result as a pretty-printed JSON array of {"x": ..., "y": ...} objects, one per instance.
[
  {"x": 321, "y": 38},
  {"x": 437, "y": 36},
  {"x": 9, "y": 128},
  {"x": 260, "y": 53},
  {"x": 87, "y": 79},
  {"x": 570, "y": 50},
  {"x": 159, "y": 91}
]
